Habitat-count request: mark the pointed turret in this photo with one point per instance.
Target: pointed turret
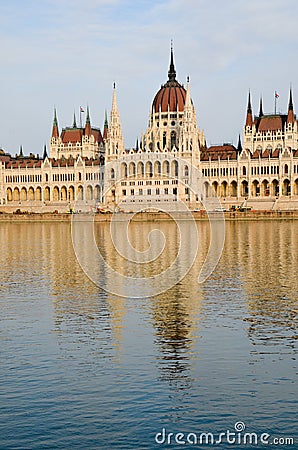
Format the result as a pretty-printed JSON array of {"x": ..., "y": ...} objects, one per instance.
[
  {"x": 188, "y": 108},
  {"x": 74, "y": 125},
  {"x": 115, "y": 138},
  {"x": 187, "y": 98},
  {"x": 45, "y": 153},
  {"x": 88, "y": 124},
  {"x": 55, "y": 130},
  {"x": 261, "y": 108},
  {"x": 248, "y": 122},
  {"x": 21, "y": 155},
  {"x": 239, "y": 145},
  {"x": 137, "y": 145},
  {"x": 105, "y": 127},
  {"x": 290, "y": 118},
  {"x": 114, "y": 101},
  {"x": 172, "y": 71}
]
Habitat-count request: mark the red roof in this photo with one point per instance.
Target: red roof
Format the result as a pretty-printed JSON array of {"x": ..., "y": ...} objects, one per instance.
[
  {"x": 74, "y": 135},
  {"x": 266, "y": 153},
  {"x": 170, "y": 97},
  {"x": 226, "y": 151},
  {"x": 270, "y": 123},
  {"x": 12, "y": 163}
]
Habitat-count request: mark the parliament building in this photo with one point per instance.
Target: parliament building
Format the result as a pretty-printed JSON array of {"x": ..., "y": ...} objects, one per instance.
[{"x": 88, "y": 169}]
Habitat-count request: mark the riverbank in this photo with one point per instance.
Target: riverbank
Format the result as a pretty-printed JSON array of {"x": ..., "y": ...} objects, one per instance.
[{"x": 150, "y": 216}]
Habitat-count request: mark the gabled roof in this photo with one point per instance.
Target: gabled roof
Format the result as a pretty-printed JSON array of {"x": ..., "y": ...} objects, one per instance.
[{"x": 266, "y": 153}]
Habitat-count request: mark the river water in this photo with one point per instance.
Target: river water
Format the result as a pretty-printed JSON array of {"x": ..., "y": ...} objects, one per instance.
[{"x": 84, "y": 368}]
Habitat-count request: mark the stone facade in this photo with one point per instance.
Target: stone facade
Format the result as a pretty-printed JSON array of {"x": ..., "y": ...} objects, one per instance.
[{"x": 87, "y": 169}]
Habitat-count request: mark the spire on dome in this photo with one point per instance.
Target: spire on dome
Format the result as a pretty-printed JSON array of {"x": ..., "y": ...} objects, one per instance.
[
  {"x": 290, "y": 118},
  {"x": 248, "y": 122},
  {"x": 261, "y": 108},
  {"x": 172, "y": 71},
  {"x": 55, "y": 131}
]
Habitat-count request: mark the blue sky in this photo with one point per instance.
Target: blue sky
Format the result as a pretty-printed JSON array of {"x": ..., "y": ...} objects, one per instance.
[{"x": 67, "y": 53}]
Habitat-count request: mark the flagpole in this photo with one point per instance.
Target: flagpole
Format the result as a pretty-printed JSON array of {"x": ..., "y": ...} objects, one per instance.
[
  {"x": 275, "y": 103},
  {"x": 80, "y": 117}
]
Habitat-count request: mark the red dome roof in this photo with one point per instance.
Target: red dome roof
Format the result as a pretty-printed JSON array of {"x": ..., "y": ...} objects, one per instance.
[{"x": 171, "y": 96}]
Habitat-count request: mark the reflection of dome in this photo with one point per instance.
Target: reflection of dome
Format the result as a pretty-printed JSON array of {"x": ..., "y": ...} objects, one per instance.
[{"x": 171, "y": 95}]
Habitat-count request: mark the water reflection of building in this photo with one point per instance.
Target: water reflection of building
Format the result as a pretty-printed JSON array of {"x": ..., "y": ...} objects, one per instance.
[
  {"x": 86, "y": 312},
  {"x": 176, "y": 316},
  {"x": 267, "y": 259},
  {"x": 85, "y": 316}
]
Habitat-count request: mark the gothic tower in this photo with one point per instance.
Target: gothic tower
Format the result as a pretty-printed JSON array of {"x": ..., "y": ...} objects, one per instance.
[
  {"x": 115, "y": 143},
  {"x": 173, "y": 125}
]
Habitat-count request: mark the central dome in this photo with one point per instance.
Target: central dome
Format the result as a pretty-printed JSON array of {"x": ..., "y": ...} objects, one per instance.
[{"x": 171, "y": 96}]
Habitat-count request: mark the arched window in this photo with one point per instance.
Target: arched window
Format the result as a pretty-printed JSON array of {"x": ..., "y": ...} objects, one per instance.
[
  {"x": 112, "y": 173},
  {"x": 166, "y": 167},
  {"x": 175, "y": 168},
  {"x": 164, "y": 139},
  {"x": 173, "y": 139}
]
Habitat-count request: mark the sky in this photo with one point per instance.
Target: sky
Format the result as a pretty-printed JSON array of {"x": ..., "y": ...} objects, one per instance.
[{"x": 65, "y": 54}]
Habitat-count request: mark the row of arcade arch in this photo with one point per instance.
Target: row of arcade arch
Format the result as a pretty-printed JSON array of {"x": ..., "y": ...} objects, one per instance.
[
  {"x": 54, "y": 194},
  {"x": 151, "y": 169},
  {"x": 257, "y": 188}
]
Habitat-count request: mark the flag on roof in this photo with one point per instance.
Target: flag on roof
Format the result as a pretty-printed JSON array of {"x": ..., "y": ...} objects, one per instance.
[
  {"x": 82, "y": 109},
  {"x": 276, "y": 94}
]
